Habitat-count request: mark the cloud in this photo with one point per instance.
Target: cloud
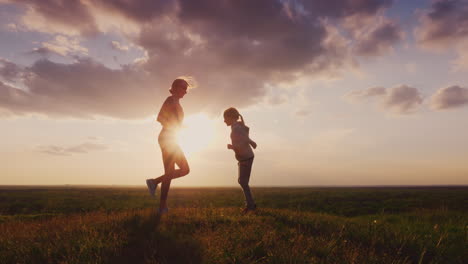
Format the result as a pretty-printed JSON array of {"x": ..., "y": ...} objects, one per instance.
[
  {"x": 445, "y": 26},
  {"x": 60, "y": 45},
  {"x": 461, "y": 63},
  {"x": 70, "y": 17},
  {"x": 43, "y": 52},
  {"x": 445, "y": 23},
  {"x": 402, "y": 99},
  {"x": 12, "y": 100},
  {"x": 82, "y": 148},
  {"x": 342, "y": 8},
  {"x": 9, "y": 71},
  {"x": 12, "y": 27},
  {"x": 63, "y": 46},
  {"x": 379, "y": 39},
  {"x": 449, "y": 97},
  {"x": 234, "y": 52},
  {"x": 138, "y": 11},
  {"x": 399, "y": 99},
  {"x": 88, "y": 18},
  {"x": 117, "y": 46},
  {"x": 357, "y": 95},
  {"x": 84, "y": 89}
]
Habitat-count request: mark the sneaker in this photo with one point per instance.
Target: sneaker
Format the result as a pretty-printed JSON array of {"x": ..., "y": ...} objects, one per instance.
[
  {"x": 151, "y": 186},
  {"x": 163, "y": 211}
]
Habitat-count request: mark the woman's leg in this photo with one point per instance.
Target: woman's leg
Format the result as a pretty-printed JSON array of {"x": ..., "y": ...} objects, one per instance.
[
  {"x": 169, "y": 168},
  {"x": 170, "y": 158},
  {"x": 181, "y": 161},
  {"x": 245, "y": 167},
  {"x": 176, "y": 157}
]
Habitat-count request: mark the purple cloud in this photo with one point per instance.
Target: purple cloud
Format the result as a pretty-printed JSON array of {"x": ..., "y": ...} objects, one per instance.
[
  {"x": 233, "y": 48},
  {"x": 63, "y": 14},
  {"x": 83, "y": 89},
  {"x": 9, "y": 71},
  {"x": 402, "y": 99},
  {"x": 379, "y": 39},
  {"x": 449, "y": 97},
  {"x": 444, "y": 23},
  {"x": 399, "y": 100}
]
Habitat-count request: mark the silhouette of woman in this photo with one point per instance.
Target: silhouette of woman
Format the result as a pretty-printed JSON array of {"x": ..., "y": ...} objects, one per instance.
[
  {"x": 170, "y": 116},
  {"x": 244, "y": 154}
]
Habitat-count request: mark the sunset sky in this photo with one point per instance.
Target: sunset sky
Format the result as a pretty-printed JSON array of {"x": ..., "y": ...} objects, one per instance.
[{"x": 339, "y": 92}]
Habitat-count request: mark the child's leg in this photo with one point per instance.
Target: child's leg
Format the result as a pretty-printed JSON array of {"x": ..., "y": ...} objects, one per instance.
[{"x": 245, "y": 167}]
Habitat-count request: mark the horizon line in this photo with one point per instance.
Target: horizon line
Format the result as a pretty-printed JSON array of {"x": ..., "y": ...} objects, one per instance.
[{"x": 2, "y": 186}]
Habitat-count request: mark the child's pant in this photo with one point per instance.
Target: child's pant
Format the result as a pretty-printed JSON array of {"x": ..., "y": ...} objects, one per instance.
[{"x": 245, "y": 167}]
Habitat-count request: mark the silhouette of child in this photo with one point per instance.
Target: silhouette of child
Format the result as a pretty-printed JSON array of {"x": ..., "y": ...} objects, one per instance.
[{"x": 241, "y": 144}]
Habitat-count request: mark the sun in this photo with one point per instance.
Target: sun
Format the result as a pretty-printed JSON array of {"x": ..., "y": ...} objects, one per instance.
[{"x": 196, "y": 134}]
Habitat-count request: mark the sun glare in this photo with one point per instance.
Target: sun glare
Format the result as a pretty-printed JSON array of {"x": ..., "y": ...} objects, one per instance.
[{"x": 196, "y": 134}]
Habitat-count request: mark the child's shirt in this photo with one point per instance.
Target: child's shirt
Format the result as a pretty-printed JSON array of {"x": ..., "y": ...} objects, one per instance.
[{"x": 241, "y": 141}]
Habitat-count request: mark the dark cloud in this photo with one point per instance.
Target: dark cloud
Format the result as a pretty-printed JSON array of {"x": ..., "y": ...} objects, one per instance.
[
  {"x": 399, "y": 100},
  {"x": 68, "y": 13},
  {"x": 140, "y": 10},
  {"x": 233, "y": 48},
  {"x": 255, "y": 42},
  {"x": 13, "y": 101},
  {"x": 343, "y": 8},
  {"x": 379, "y": 40},
  {"x": 446, "y": 22},
  {"x": 402, "y": 99},
  {"x": 83, "y": 89},
  {"x": 444, "y": 26},
  {"x": 9, "y": 71},
  {"x": 82, "y": 148},
  {"x": 43, "y": 52},
  {"x": 449, "y": 97}
]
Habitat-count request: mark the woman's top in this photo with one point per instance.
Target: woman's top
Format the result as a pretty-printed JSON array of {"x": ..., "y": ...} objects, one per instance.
[
  {"x": 170, "y": 116},
  {"x": 241, "y": 141}
]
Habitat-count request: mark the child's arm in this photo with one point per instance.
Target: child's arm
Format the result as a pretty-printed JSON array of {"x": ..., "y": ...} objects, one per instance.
[
  {"x": 230, "y": 146},
  {"x": 252, "y": 143}
]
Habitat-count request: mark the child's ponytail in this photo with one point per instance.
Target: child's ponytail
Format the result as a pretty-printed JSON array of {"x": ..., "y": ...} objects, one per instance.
[
  {"x": 242, "y": 119},
  {"x": 233, "y": 113}
]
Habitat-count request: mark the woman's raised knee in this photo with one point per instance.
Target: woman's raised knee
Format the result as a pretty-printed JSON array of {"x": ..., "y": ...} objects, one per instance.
[{"x": 184, "y": 171}]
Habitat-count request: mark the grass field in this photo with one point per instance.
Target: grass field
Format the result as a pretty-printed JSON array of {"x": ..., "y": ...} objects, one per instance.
[{"x": 204, "y": 225}]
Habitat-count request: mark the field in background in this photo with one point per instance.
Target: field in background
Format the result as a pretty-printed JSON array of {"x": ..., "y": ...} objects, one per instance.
[{"x": 204, "y": 225}]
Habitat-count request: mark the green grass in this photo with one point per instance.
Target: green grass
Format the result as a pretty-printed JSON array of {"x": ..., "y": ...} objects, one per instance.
[{"x": 204, "y": 225}]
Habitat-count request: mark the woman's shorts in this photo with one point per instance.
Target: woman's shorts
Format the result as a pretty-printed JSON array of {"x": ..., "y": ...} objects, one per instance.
[{"x": 170, "y": 149}]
